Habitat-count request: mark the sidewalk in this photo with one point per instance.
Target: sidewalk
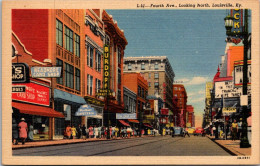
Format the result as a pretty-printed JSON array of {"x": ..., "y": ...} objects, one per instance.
[
  {"x": 232, "y": 147},
  {"x": 64, "y": 142}
]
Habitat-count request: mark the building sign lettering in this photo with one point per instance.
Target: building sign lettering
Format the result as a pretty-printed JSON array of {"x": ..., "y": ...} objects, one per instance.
[
  {"x": 20, "y": 73},
  {"x": 228, "y": 89},
  {"x": 238, "y": 73},
  {"x": 125, "y": 116},
  {"x": 41, "y": 72}
]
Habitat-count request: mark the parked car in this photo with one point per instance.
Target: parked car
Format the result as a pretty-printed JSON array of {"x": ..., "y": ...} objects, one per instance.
[
  {"x": 178, "y": 131},
  {"x": 191, "y": 130},
  {"x": 198, "y": 131}
]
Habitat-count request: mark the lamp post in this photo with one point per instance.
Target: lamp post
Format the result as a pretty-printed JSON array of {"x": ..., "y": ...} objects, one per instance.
[{"x": 229, "y": 24}]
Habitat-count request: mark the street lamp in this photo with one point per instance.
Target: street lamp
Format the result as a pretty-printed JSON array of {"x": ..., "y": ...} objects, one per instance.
[{"x": 229, "y": 24}]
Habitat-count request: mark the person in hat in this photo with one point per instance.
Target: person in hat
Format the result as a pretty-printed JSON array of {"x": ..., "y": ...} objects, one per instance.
[{"x": 23, "y": 129}]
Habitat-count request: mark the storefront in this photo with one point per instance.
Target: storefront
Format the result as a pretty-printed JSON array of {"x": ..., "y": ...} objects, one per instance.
[
  {"x": 67, "y": 104},
  {"x": 33, "y": 105}
]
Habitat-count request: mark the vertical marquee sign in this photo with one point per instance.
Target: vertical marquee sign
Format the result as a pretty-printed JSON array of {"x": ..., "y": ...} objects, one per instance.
[
  {"x": 238, "y": 25},
  {"x": 106, "y": 75}
]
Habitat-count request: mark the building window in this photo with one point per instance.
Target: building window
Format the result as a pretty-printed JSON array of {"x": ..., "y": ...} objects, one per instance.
[
  {"x": 149, "y": 75},
  {"x": 156, "y": 66},
  {"x": 139, "y": 91},
  {"x": 59, "y": 33},
  {"x": 156, "y": 85},
  {"x": 175, "y": 88},
  {"x": 98, "y": 61},
  {"x": 77, "y": 79},
  {"x": 142, "y": 67},
  {"x": 129, "y": 66},
  {"x": 175, "y": 95},
  {"x": 89, "y": 84},
  {"x": 90, "y": 52},
  {"x": 119, "y": 96},
  {"x": 69, "y": 75},
  {"x": 149, "y": 84},
  {"x": 68, "y": 39},
  {"x": 98, "y": 84},
  {"x": 156, "y": 75},
  {"x": 119, "y": 55},
  {"x": 142, "y": 92},
  {"x": 59, "y": 80},
  {"x": 119, "y": 76},
  {"x": 77, "y": 45}
]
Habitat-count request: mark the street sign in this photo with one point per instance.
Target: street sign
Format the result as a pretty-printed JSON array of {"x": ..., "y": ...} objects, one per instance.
[
  {"x": 20, "y": 73},
  {"x": 86, "y": 110},
  {"x": 18, "y": 89},
  {"x": 126, "y": 116},
  {"x": 41, "y": 72}
]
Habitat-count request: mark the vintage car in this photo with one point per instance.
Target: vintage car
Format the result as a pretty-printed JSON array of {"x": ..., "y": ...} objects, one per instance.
[
  {"x": 178, "y": 131},
  {"x": 191, "y": 130},
  {"x": 198, "y": 131}
]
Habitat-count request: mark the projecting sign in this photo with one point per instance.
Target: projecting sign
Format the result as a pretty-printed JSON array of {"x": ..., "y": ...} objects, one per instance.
[
  {"x": 20, "y": 73},
  {"x": 18, "y": 89},
  {"x": 86, "y": 110},
  {"x": 125, "y": 116},
  {"x": 238, "y": 73},
  {"x": 238, "y": 24},
  {"x": 41, "y": 72},
  {"x": 228, "y": 89}
]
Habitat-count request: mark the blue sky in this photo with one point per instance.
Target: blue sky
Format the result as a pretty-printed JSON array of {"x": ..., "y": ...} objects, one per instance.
[{"x": 193, "y": 41}]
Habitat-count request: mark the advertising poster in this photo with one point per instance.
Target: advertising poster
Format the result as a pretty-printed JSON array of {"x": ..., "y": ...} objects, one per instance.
[{"x": 166, "y": 82}]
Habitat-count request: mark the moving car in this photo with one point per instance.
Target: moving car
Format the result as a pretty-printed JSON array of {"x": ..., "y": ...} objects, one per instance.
[
  {"x": 198, "y": 131},
  {"x": 191, "y": 130},
  {"x": 178, "y": 131}
]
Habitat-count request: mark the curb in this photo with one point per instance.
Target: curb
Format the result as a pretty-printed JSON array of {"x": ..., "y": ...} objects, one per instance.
[
  {"x": 66, "y": 143},
  {"x": 223, "y": 147}
]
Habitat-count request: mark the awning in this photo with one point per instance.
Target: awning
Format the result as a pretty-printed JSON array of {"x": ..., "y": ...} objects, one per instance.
[
  {"x": 148, "y": 125},
  {"x": 58, "y": 94},
  {"x": 96, "y": 116},
  {"x": 36, "y": 110},
  {"x": 133, "y": 120},
  {"x": 123, "y": 123}
]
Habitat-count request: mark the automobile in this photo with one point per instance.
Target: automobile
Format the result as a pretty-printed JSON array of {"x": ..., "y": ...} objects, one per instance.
[
  {"x": 178, "y": 131},
  {"x": 191, "y": 130},
  {"x": 198, "y": 131}
]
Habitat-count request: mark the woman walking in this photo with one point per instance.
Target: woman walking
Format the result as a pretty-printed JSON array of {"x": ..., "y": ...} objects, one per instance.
[
  {"x": 234, "y": 130},
  {"x": 68, "y": 132},
  {"x": 15, "y": 132},
  {"x": 84, "y": 133},
  {"x": 23, "y": 129},
  {"x": 74, "y": 132},
  {"x": 30, "y": 133}
]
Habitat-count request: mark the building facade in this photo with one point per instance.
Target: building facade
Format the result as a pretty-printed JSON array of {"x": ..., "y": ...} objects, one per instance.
[
  {"x": 190, "y": 116},
  {"x": 158, "y": 72},
  {"x": 179, "y": 92}
]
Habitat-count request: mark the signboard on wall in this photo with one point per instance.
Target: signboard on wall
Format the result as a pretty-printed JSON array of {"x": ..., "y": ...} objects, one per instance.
[
  {"x": 228, "y": 89},
  {"x": 238, "y": 20},
  {"x": 34, "y": 93},
  {"x": 48, "y": 72},
  {"x": 126, "y": 116},
  {"x": 238, "y": 73},
  {"x": 20, "y": 73},
  {"x": 86, "y": 110}
]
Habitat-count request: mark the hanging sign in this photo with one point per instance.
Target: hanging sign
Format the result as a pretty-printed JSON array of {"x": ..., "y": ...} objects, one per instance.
[
  {"x": 86, "y": 110},
  {"x": 125, "y": 116},
  {"x": 20, "y": 73},
  {"x": 41, "y": 72},
  {"x": 238, "y": 72}
]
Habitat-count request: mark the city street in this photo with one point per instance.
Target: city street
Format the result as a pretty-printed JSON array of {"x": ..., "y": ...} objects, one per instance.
[{"x": 147, "y": 146}]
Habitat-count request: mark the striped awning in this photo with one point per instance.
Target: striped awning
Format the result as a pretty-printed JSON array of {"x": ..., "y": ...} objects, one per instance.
[
  {"x": 133, "y": 121},
  {"x": 123, "y": 123}
]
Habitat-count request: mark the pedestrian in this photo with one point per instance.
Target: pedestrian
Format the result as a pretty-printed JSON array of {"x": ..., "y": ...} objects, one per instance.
[
  {"x": 99, "y": 132},
  {"x": 96, "y": 132},
  {"x": 90, "y": 130},
  {"x": 73, "y": 131},
  {"x": 214, "y": 131},
  {"x": 239, "y": 131},
  {"x": 23, "y": 129},
  {"x": 105, "y": 132},
  {"x": 102, "y": 132},
  {"x": 186, "y": 132},
  {"x": 84, "y": 132},
  {"x": 116, "y": 131},
  {"x": 87, "y": 132},
  {"x": 79, "y": 131},
  {"x": 234, "y": 128},
  {"x": 113, "y": 131},
  {"x": 68, "y": 131},
  {"x": 110, "y": 131},
  {"x": 30, "y": 133},
  {"x": 15, "y": 132}
]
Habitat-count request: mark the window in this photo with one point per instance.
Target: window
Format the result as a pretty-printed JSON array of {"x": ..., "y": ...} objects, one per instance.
[
  {"x": 119, "y": 55},
  {"x": 149, "y": 75},
  {"x": 68, "y": 39},
  {"x": 98, "y": 61},
  {"x": 59, "y": 80},
  {"x": 89, "y": 84},
  {"x": 142, "y": 92},
  {"x": 77, "y": 45},
  {"x": 77, "y": 79},
  {"x": 129, "y": 66},
  {"x": 119, "y": 96},
  {"x": 139, "y": 91},
  {"x": 90, "y": 53},
  {"x": 119, "y": 76},
  {"x": 142, "y": 67},
  {"x": 156, "y": 66},
  {"x": 175, "y": 95},
  {"x": 149, "y": 84},
  {"x": 156, "y": 85},
  {"x": 98, "y": 84},
  {"x": 69, "y": 75},
  {"x": 175, "y": 88},
  {"x": 59, "y": 33},
  {"x": 156, "y": 75}
]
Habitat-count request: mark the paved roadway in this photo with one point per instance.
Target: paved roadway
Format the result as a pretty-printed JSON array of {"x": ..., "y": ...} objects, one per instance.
[{"x": 147, "y": 146}]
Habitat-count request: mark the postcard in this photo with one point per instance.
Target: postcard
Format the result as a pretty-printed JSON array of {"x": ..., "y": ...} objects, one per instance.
[{"x": 130, "y": 82}]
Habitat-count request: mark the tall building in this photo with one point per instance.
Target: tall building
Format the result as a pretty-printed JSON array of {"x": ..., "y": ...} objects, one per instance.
[
  {"x": 158, "y": 71},
  {"x": 208, "y": 102},
  {"x": 190, "y": 116},
  {"x": 180, "y": 93}
]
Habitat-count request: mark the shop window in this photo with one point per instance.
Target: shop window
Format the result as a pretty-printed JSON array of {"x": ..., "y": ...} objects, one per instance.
[
  {"x": 59, "y": 33},
  {"x": 69, "y": 75},
  {"x": 77, "y": 79},
  {"x": 77, "y": 45},
  {"x": 68, "y": 39},
  {"x": 40, "y": 127},
  {"x": 59, "y": 126},
  {"x": 59, "y": 80}
]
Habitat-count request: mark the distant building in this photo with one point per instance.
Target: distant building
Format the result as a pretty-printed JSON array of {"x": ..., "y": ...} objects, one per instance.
[
  {"x": 190, "y": 116},
  {"x": 180, "y": 93}
]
